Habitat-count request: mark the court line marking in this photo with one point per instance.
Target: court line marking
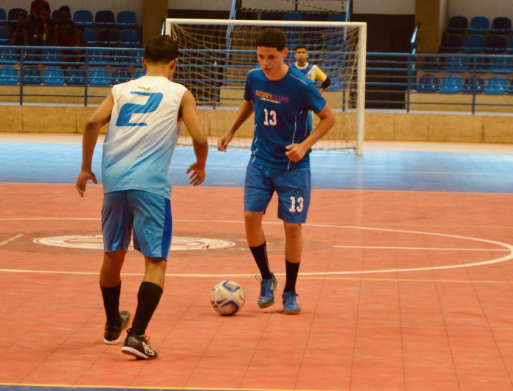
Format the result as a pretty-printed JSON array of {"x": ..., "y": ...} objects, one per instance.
[
  {"x": 464, "y": 265},
  {"x": 11, "y": 239},
  {"x": 423, "y": 248}
]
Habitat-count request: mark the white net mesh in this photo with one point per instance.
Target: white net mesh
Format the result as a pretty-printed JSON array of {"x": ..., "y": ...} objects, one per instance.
[{"x": 215, "y": 59}]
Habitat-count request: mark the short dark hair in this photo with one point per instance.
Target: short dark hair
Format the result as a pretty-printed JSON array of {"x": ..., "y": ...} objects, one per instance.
[
  {"x": 272, "y": 38},
  {"x": 161, "y": 49},
  {"x": 301, "y": 47},
  {"x": 65, "y": 8},
  {"x": 44, "y": 6}
]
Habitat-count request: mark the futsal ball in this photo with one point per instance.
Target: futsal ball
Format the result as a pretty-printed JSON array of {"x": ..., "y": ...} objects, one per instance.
[{"x": 227, "y": 298}]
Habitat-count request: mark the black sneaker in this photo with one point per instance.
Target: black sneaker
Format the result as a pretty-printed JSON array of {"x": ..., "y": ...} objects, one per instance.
[
  {"x": 138, "y": 346},
  {"x": 112, "y": 334}
]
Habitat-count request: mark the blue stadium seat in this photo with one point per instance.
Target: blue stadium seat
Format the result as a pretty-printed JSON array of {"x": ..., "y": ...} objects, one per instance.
[
  {"x": 479, "y": 25},
  {"x": 451, "y": 43},
  {"x": 497, "y": 85},
  {"x": 130, "y": 39},
  {"x": 56, "y": 14},
  {"x": 31, "y": 75},
  {"x": 501, "y": 25},
  {"x": 495, "y": 44},
  {"x": 90, "y": 37},
  {"x": 9, "y": 75},
  {"x": 435, "y": 63},
  {"x": 292, "y": 39},
  {"x": 121, "y": 75},
  {"x": 140, "y": 73},
  {"x": 31, "y": 56},
  {"x": 312, "y": 39},
  {"x": 457, "y": 25},
  {"x": 474, "y": 86},
  {"x": 12, "y": 17},
  {"x": 119, "y": 58},
  {"x": 75, "y": 77},
  {"x": 98, "y": 57},
  {"x": 473, "y": 44},
  {"x": 457, "y": 64},
  {"x": 4, "y": 36},
  {"x": 83, "y": 18},
  {"x": 126, "y": 20},
  {"x": 509, "y": 48},
  {"x": 108, "y": 38},
  {"x": 271, "y": 16},
  {"x": 3, "y": 17},
  {"x": 8, "y": 55},
  {"x": 428, "y": 83},
  {"x": 451, "y": 84},
  {"x": 293, "y": 16},
  {"x": 502, "y": 64},
  {"x": 334, "y": 39},
  {"x": 336, "y": 17},
  {"x": 53, "y": 76},
  {"x": 314, "y": 17},
  {"x": 105, "y": 19},
  {"x": 136, "y": 57},
  {"x": 51, "y": 56},
  {"x": 99, "y": 77}
]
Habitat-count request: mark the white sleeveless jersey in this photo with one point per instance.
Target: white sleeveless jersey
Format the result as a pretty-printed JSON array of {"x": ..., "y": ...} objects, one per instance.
[{"x": 143, "y": 131}]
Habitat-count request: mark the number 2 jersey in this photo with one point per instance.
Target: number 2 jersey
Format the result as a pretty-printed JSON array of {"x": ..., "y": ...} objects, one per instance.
[
  {"x": 143, "y": 131},
  {"x": 281, "y": 116}
]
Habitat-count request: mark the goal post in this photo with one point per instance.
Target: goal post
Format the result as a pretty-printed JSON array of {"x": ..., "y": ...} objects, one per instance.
[{"x": 216, "y": 55}]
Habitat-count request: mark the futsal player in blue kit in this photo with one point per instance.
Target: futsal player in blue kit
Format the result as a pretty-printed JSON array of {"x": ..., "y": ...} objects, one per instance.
[
  {"x": 145, "y": 118},
  {"x": 281, "y": 97}
]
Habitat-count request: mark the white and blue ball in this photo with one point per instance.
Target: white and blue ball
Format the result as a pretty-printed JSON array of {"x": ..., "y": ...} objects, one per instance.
[{"x": 227, "y": 298}]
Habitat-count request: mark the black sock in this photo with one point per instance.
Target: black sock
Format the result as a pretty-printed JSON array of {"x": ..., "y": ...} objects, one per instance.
[
  {"x": 260, "y": 255},
  {"x": 111, "y": 304},
  {"x": 292, "y": 270},
  {"x": 147, "y": 300}
]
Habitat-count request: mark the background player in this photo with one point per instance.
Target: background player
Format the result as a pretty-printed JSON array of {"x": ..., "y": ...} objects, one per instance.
[
  {"x": 311, "y": 71},
  {"x": 145, "y": 120},
  {"x": 280, "y": 97}
]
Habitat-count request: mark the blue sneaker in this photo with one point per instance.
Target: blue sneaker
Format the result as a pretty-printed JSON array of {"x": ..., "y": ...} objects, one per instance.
[
  {"x": 290, "y": 305},
  {"x": 267, "y": 288}
]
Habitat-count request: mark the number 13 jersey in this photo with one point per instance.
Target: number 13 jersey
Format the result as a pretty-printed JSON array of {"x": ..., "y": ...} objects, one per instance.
[
  {"x": 143, "y": 131},
  {"x": 281, "y": 115}
]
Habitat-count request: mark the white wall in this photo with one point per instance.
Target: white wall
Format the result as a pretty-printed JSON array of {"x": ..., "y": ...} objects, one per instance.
[
  {"x": 488, "y": 8},
  {"x": 91, "y": 5},
  {"x": 225, "y": 5},
  {"x": 395, "y": 7}
]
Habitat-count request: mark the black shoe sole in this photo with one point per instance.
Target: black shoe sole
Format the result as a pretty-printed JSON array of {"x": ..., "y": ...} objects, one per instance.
[{"x": 137, "y": 354}]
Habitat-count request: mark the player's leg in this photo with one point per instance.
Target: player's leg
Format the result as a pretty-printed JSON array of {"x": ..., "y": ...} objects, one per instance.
[
  {"x": 293, "y": 188},
  {"x": 258, "y": 191},
  {"x": 116, "y": 226},
  {"x": 153, "y": 228}
]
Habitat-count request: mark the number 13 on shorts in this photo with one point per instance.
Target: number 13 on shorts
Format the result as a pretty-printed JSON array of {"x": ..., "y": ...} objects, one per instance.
[{"x": 296, "y": 208}]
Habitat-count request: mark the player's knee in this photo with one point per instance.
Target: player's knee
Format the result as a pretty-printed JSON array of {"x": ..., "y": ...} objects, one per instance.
[
  {"x": 292, "y": 229},
  {"x": 252, "y": 218}
]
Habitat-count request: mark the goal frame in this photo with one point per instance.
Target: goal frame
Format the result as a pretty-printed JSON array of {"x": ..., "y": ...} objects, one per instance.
[{"x": 361, "y": 64}]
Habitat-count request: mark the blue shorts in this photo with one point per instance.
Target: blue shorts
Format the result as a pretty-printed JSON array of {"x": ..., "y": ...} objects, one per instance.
[
  {"x": 146, "y": 214},
  {"x": 292, "y": 186}
]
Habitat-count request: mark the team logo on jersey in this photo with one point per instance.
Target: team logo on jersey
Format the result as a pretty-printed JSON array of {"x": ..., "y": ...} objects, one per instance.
[
  {"x": 268, "y": 97},
  {"x": 95, "y": 242}
]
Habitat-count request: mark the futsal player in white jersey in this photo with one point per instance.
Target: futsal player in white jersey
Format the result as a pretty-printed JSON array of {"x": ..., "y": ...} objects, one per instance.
[{"x": 145, "y": 118}]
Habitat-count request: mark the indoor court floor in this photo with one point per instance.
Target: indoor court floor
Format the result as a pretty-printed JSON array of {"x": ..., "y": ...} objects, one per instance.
[{"x": 406, "y": 281}]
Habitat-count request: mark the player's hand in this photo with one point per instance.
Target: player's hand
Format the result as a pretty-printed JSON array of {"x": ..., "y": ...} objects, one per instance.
[
  {"x": 82, "y": 179},
  {"x": 295, "y": 152},
  {"x": 222, "y": 143},
  {"x": 197, "y": 176}
]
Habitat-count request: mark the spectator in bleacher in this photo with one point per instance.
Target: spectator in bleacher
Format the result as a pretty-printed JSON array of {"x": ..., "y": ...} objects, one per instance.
[
  {"x": 19, "y": 35},
  {"x": 44, "y": 27},
  {"x": 79, "y": 43},
  {"x": 65, "y": 28}
]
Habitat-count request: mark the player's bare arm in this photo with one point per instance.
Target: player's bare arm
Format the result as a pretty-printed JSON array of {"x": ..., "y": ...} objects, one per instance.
[
  {"x": 99, "y": 118},
  {"x": 296, "y": 152},
  {"x": 199, "y": 139},
  {"x": 245, "y": 111}
]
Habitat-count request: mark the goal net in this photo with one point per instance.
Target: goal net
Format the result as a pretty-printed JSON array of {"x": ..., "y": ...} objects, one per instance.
[{"x": 216, "y": 55}]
